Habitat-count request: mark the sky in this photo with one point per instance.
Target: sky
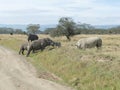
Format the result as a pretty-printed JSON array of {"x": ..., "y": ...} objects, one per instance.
[{"x": 94, "y": 12}]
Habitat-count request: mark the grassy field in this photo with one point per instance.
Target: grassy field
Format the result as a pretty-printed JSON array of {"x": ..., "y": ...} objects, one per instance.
[{"x": 89, "y": 69}]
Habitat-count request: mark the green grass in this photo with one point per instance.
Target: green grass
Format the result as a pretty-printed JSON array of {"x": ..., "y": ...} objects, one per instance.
[
  {"x": 88, "y": 69},
  {"x": 87, "y": 74}
]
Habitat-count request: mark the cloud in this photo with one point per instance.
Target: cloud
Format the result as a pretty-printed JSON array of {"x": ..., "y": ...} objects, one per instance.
[{"x": 49, "y": 11}]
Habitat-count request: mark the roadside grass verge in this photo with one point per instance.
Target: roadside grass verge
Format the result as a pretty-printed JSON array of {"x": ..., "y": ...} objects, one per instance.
[{"x": 88, "y": 69}]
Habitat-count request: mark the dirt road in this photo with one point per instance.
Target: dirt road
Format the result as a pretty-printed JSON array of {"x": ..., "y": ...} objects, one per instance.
[{"x": 17, "y": 74}]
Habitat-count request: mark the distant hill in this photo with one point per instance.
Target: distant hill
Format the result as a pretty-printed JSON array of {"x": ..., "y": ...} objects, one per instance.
[
  {"x": 14, "y": 26},
  {"x": 105, "y": 26},
  {"x": 43, "y": 27},
  {"x": 23, "y": 27}
]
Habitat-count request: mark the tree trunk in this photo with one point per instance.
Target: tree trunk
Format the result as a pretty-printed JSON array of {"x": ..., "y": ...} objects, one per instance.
[{"x": 68, "y": 38}]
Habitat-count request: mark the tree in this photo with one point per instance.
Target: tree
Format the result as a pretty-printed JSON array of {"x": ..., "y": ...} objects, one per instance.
[
  {"x": 19, "y": 31},
  {"x": 66, "y": 27},
  {"x": 48, "y": 30},
  {"x": 55, "y": 33},
  {"x": 33, "y": 28},
  {"x": 85, "y": 26}
]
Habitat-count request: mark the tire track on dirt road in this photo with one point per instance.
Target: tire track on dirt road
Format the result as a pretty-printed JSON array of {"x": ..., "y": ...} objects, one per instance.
[{"x": 17, "y": 74}]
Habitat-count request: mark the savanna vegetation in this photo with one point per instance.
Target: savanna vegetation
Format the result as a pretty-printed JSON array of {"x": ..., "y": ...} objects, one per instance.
[
  {"x": 89, "y": 69},
  {"x": 31, "y": 28},
  {"x": 66, "y": 27},
  {"x": 4, "y": 30}
]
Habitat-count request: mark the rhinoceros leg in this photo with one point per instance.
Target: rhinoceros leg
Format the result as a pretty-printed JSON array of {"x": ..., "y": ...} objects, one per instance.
[
  {"x": 23, "y": 52},
  {"x": 30, "y": 49},
  {"x": 20, "y": 51}
]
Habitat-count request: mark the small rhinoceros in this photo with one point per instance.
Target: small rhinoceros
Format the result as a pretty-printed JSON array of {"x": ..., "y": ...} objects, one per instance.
[{"x": 24, "y": 46}]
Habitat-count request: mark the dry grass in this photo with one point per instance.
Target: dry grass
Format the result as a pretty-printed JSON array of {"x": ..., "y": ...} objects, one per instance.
[{"x": 89, "y": 69}]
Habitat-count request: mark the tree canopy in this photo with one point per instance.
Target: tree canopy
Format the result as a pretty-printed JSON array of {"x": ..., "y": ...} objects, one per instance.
[
  {"x": 65, "y": 27},
  {"x": 33, "y": 28}
]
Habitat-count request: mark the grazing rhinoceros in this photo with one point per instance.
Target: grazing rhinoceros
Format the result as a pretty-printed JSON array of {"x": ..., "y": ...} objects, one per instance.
[
  {"x": 89, "y": 42},
  {"x": 40, "y": 44}
]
